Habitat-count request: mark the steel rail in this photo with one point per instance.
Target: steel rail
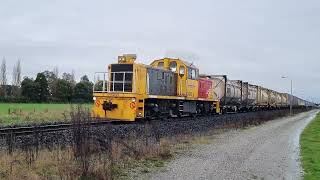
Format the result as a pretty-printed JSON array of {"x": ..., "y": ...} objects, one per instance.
[{"x": 25, "y": 130}]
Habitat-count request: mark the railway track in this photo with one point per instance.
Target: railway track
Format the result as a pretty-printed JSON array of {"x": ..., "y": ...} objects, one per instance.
[
  {"x": 26, "y": 130},
  {"x": 31, "y": 129}
]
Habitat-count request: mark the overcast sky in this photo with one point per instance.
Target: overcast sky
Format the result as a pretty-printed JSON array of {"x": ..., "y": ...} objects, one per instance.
[{"x": 253, "y": 40}]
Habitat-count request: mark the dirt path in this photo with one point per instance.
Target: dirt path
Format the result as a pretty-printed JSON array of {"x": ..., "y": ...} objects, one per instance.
[{"x": 269, "y": 151}]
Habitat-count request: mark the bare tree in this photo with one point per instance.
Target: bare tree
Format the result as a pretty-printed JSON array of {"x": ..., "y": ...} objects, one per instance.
[
  {"x": 73, "y": 79},
  {"x": 18, "y": 79},
  {"x": 16, "y": 74},
  {"x": 3, "y": 76},
  {"x": 56, "y": 71}
]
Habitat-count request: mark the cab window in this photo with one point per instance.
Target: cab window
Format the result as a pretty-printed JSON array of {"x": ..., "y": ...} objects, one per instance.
[
  {"x": 189, "y": 73},
  {"x": 182, "y": 70},
  {"x": 192, "y": 73},
  {"x": 173, "y": 66}
]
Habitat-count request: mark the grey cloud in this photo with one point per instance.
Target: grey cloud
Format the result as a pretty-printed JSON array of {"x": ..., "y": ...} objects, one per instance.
[{"x": 258, "y": 41}]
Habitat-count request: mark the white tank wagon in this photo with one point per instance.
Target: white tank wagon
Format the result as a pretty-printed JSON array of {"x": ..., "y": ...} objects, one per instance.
[
  {"x": 252, "y": 95},
  {"x": 272, "y": 98},
  {"x": 249, "y": 96},
  {"x": 278, "y": 99},
  {"x": 284, "y": 100},
  {"x": 228, "y": 92},
  {"x": 262, "y": 97},
  {"x": 301, "y": 102},
  {"x": 219, "y": 88},
  {"x": 234, "y": 92},
  {"x": 245, "y": 93}
]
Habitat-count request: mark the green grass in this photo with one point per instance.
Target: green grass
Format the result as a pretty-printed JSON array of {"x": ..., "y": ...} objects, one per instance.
[
  {"x": 16, "y": 113},
  {"x": 310, "y": 150}
]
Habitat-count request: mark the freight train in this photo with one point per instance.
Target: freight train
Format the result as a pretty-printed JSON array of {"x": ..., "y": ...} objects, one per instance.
[{"x": 171, "y": 87}]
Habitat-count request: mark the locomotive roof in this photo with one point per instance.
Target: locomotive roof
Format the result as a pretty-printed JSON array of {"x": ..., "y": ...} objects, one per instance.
[
  {"x": 183, "y": 61},
  {"x": 188, "y": 64}
]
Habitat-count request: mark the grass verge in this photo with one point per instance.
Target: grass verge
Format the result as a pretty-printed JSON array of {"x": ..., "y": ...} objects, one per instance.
[
  {"x": 19, "y": 113},
  {"x": 310, "y": 150}
]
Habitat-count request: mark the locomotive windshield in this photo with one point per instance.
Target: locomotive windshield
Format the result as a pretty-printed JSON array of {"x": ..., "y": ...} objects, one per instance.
[
  {"x": 121, "y": 77},
  {"x": 118, "y": 79}
]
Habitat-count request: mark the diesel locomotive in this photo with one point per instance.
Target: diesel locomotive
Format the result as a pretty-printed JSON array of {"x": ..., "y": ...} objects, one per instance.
[{"x": 171, "y": 87}]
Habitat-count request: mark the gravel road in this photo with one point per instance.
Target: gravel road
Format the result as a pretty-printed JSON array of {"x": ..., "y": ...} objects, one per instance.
[{"x": 268, "y": 151}]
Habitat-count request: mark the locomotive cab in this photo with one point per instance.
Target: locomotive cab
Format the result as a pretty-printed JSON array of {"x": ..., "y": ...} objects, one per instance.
[
  {"x": 117, "y": 94},
  {"x": 188, "y": 75}
]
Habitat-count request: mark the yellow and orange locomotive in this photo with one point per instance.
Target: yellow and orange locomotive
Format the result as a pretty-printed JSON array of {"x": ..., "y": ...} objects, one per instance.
[{"x": 167, "y": 87}]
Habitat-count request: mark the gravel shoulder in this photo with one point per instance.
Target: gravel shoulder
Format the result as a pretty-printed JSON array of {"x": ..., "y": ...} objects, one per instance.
[{"x": 268, "y": 151}]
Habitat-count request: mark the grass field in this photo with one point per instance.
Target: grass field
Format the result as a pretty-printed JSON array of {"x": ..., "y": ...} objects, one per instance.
[
  {"x": 310, "y": 150},
  {"x": 11, "y": 113}
]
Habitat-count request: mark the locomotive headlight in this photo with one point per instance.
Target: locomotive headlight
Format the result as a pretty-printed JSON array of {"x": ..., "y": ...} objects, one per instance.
[
  {"x": 133, "y": 99},
  {"x": 94, "y": 98}
]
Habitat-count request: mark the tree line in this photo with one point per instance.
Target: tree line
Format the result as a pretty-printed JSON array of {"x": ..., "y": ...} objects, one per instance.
[{"x": 47, "y": 87}]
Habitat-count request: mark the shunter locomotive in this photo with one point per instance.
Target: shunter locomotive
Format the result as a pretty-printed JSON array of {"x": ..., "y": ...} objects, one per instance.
[{"x": 171, "y": 87}]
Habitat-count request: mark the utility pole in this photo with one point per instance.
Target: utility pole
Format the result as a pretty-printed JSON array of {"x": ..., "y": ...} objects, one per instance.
[{"x": 291, "y": 100}]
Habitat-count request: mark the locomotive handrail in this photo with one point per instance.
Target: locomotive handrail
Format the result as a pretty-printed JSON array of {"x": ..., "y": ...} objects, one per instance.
[{"x": 108, "y": 85}]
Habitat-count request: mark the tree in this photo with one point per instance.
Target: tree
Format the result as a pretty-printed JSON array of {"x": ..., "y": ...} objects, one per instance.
[
  {"x": 16, "y": 74},
  {"x": 16, "y": 79},
  {"x": 83, "y": 90},
  {"x": 84, "y": 79},
  {"x": 29, "y": 90},
  {"x": 43, "y": 91},
  {"x": 3, "y": 77},
  {"x": 69, "y": 77},
  {"x": 56, "y": 71},
  {"x": 73, "y": 78},
  {"x": 52, "y": 82},
  {"x": 64, "y": 90}
]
